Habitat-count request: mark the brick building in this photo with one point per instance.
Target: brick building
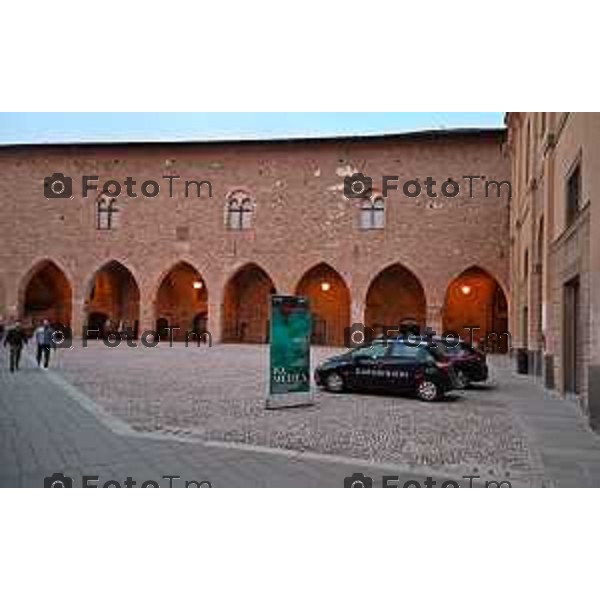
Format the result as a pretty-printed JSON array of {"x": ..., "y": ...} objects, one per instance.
[
  {"x": 555, "y": 259},
  {"x": 273, "y": 218}
]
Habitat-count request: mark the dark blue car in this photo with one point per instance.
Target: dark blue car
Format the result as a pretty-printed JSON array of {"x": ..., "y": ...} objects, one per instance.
[{"x": 389, "y": 365}]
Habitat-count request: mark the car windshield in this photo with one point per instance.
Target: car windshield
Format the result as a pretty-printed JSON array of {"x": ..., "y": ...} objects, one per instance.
[
  {"x": 400, "y": 350},
  {"x": 377, "y": 350}
]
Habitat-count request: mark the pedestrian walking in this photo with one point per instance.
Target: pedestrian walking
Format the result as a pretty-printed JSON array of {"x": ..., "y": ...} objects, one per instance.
[
  {"x": 45, "y": 341},
  {"x": 15, "y": 339}
]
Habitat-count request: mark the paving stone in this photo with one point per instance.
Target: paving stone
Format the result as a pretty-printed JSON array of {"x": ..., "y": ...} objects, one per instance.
[
  {"x": 219, "y": 393},
  {"x": 199, "y": 413}
]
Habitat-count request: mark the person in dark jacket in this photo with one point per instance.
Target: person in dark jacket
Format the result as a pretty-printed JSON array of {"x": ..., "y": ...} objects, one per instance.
[{"x": 15, "y": 339}]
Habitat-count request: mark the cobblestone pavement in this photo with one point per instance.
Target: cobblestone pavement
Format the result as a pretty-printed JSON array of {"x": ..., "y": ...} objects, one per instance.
[
  {"x": 219, "y": 394},
  {"x": 203, "y": 400},
  {"x": 48, "y": 426}
]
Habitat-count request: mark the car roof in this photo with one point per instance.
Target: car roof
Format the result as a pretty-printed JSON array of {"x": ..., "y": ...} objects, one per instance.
[
  {"x": 400, "y": 341},
  {"x": 414, "y": 336}
]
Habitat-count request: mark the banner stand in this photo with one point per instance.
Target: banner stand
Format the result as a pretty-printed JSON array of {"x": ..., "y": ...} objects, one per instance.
[
  {"x": 289, "y": 367},
  {"x": 295, "y": 400}
]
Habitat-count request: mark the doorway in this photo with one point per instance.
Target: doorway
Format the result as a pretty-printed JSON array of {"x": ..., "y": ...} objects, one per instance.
[{"x": 572, "y": 336}]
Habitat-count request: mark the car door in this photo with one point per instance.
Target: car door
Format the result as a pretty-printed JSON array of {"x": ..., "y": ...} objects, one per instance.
[
  {"x": 399, "y": 367},
  {"x": 366, "y": 368}
]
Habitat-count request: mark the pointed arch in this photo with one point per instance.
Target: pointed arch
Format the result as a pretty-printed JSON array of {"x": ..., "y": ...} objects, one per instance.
[
  {"x": 181, "y": 301},
  {"x": 486, "y": 270},
  {"x": 396, "y": 298},
  {"x": 246, "y": 305},
  {"x": 475, "y": 298},
  {"x": 329, "y": 298},
  {"x": 112, "y": 300},
  {"x": 239, "y": 208},
  {"x": 46, "y": 293}
]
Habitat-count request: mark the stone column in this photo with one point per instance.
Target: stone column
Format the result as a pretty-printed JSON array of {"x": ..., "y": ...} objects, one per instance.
[
  {"x": 78, "y": 314},
  {"x": 215, "y": 312},
  {"x": 434, "y": 318},
  {"x": 3, "y": 307},
  {"x": 11, "y": 297},
  {"x": 285, "y": 284},
  {"x": 357, "y": 310},
  {"x": 147, "y": 319}
]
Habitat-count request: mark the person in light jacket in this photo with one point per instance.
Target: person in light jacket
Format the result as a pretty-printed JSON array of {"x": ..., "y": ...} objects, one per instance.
[{"x": 45, "y": 341}]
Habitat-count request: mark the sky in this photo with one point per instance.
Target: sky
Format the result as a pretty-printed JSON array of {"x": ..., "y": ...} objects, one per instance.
[{"x": 76, "y": 127}]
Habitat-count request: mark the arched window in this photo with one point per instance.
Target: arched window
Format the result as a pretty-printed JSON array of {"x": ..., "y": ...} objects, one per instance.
[
  {"x": 239, "y": 211},
  {"x": 106, "y": 213},
  {"x": 372, "y": 213}
]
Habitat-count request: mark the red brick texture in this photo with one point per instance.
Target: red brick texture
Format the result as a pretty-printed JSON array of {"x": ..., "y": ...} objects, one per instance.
[{"x": 301, "y": 219}]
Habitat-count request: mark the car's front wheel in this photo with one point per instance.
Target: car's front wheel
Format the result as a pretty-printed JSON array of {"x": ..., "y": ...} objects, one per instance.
[
  {"x": 334, "y": 382},
  {"x": 428, "y": 391}
]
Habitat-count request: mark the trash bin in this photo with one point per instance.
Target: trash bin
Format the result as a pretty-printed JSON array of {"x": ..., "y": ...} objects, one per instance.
[{"x": 522, "y": 361}]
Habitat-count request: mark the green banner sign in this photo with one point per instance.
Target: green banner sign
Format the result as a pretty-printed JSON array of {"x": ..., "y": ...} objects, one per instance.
[{"x": 290, "y": 345}]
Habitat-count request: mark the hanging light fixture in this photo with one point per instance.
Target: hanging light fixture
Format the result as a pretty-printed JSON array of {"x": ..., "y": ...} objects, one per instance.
[
  {"x": 325, "y": 286},
  {"x": 465, "y": 289},
  {"x": 197, "y": 285}
]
